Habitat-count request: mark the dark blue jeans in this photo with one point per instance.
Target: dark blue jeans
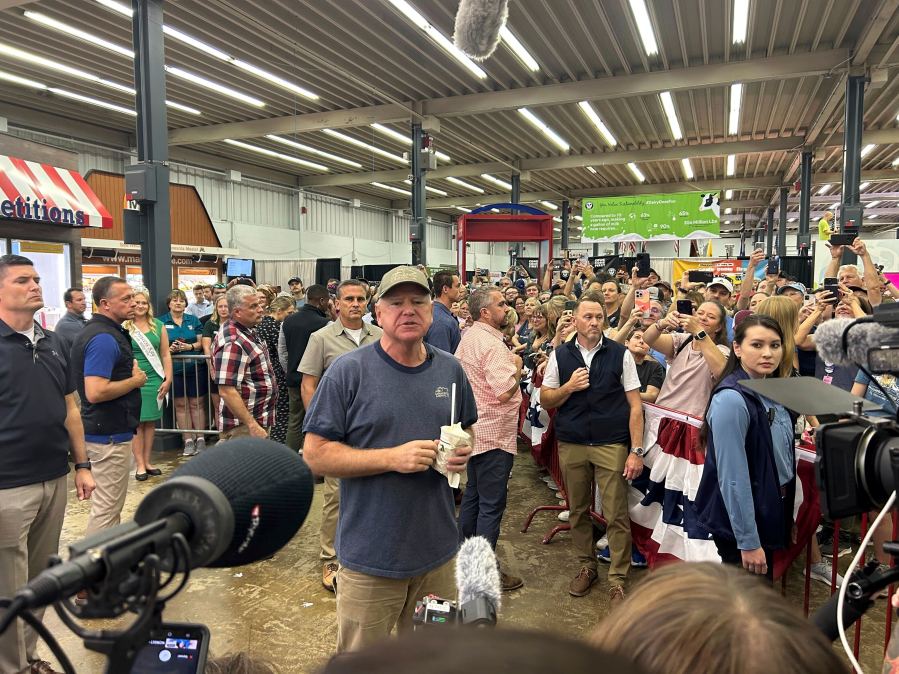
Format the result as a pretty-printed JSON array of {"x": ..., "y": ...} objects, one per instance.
[{"x": 485, "y": 495}]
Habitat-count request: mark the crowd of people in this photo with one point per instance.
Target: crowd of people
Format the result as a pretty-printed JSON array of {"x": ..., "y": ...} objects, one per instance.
[{"x": 621, "y": 361}]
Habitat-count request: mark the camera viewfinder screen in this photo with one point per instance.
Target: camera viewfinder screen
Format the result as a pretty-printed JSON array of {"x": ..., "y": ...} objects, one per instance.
[{"x": 170, "y": 652}]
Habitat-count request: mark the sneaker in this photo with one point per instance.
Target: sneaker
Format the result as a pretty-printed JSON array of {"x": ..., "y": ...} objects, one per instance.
[
  {"x": 509, "y": 582},
  {"x": 552, "y": 485},
  {"x": 602, "y": 543},
  {"x": 581, "y": 583},
  {"x": 546, "y": 478},
  {"x": 190, "y": 449},
  {"x": 605, "y": 555},
  {"x": 638, "y": 561},
  {"x": 201, "y": 445},
  {"x": 564, "y": 515},
  {"x": 823, "y": 572},
  {"x": 885, "y": 592},
  {"x": 559, "y": 495},
  {"x": 329, "y": 576},
  {"x": 616, "y": 596}
]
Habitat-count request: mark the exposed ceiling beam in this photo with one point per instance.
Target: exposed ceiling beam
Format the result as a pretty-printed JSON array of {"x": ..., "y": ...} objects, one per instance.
[
  {"x": 472, "y": 201},
  {"x": 882, "y": 175},
  {"x": 605, "y": 88},
  {"x": 45, "y": 122},
  {"x": 873, "y": 30},
  {"x": 695, "y": 77},
  {"x": 395, "y": 175},
  {"x": 205, "y": 160},
  {"x": 312, "y": 121}
]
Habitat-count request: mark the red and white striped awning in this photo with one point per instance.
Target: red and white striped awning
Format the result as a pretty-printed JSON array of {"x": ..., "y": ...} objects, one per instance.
[{"x": 45, "y": 193}]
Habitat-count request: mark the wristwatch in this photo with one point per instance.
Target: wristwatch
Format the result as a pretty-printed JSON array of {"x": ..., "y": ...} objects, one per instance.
[
  {"x": 700, "y": 335},
  {"x": 639, "y": 451},
  {"x": 84, "y": 465}
]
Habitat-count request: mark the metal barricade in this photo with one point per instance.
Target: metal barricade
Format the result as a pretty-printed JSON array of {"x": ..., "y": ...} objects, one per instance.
[{"x": 189, "y": 408}]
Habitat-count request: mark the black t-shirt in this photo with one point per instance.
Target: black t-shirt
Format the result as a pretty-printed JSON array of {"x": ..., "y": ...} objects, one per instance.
[
  {"x": 650, "y": 373},
  {"x": 34, "y": 381},
  {"x": 614, "y": 318}
]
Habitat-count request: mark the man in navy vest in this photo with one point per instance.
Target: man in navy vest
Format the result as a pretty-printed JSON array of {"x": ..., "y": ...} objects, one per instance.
[{"x": 599, "y": 424}]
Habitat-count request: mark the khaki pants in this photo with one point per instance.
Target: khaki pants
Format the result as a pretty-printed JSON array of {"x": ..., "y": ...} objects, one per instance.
[
  {"x": 295, "y": 415},
  {"x": 111, "y": 467},
  {"x": 580, "y": 465},
  {"x": 330, "y": 512},
  {"x": 30, "y": 522},
  {"x": 369, "y": 607}
]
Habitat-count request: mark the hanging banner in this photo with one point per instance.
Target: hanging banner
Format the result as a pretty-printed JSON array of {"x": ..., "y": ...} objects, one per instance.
[{"x": 651, "y": 217}]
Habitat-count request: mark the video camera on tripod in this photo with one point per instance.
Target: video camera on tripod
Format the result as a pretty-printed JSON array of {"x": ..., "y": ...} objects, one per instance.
[{"x": 237, "y": 503}]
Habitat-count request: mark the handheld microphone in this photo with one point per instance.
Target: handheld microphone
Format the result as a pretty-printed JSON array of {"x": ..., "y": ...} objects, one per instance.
[
  {"x": 478, "y": 25},
  {"x": 477, "y": 582},
  {"x": 836, "y": 346},
  {"x": 236, "y": 503}
]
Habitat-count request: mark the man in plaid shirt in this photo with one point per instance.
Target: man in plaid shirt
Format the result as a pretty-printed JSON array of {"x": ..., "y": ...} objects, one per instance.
[
  {"x": 493, "y": 372},
  {"x": 243, "y": 370}
]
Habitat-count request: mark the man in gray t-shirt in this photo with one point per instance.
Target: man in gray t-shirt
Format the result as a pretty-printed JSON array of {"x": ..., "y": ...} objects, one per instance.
[{"x": 374, "y": 422}]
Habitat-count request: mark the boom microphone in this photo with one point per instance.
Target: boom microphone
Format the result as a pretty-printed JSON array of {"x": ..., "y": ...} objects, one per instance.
[
  {"x": 837, "y": 346},
  {"x": 236, "y": 503},
  {"x": 477, "y": 582},
  {"x": 478, "y": 25}
]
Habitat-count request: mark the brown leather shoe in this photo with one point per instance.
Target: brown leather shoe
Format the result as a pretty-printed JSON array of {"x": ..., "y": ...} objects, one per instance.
[
  {"x": 616, "y": 596},
  {"x": 329, "y": 576},
  {"x": 509, "y": 583},
  {"x": 581, "y": 583}
]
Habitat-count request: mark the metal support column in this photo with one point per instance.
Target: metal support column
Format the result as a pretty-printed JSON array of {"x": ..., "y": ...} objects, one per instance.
[
  {"x": 804, "y": 239},
  {"x": 782, "y": 230},
  {"x": 770, "y": 232},
  {"x": 565, "y": 244},
  {"x": 851, "y": 209},
  {"x": 516, "y": 199},
  {"x": 418, "y": 227},
  {"x": 147, "y": 182}
]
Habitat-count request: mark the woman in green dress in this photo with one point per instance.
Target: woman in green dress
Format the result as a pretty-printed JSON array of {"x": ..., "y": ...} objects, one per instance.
[{"x": 150, "y": 344}]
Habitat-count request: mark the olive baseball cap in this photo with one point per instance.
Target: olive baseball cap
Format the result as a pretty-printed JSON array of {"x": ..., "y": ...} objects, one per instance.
[{"x": 400, "y": 275}]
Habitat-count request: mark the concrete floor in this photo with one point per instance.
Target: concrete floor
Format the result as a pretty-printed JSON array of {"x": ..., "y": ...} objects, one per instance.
[{"x": 277, "y": 609}]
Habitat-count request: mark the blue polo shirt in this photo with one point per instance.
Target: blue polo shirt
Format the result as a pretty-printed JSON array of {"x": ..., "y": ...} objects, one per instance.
[
  {"x": 100, "y": 357},
  {"x": 444, "y": 332}
]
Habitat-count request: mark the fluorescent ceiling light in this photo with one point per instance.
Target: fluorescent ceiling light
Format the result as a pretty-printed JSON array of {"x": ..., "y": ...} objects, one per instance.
[
  {"x": 391, "y": 188},
  {"x": 736, "y": 97},
  {"x": 496, "y": 181},
  {"x": 550, "y": 205},
  {"x": 866, "y": 150},
  {"x": 468, "y": 186},
  {"x": 592, "y": 170},
  {"x": 825, "y": 189},
  {"x": 93, "y": 101},
  {"x": 405, "y": 140},
  {"x": 556, "y": 229},
  {"x": 578, "y": 218},
  {"x": 183, "y": 108},
  {"x": 741, "y": 21},
  {"x": 28, "y": 57},
  {"x": 445, "y": 43},
  {"x": 728, "y": 211},
  {"x": 195, "y": 43},
  {"x": 214, "y": 86},
  {"x": 598, "y": 123},
  {"x": 277, "y": 155},
  {"x": 638, "y": 174},
  {"x": 874, "y": 217},
  {"x": 119, "y": 7},
  {"x": 548, "y": 132},
  {"x": 463, "y": 209},
  {"x": 671, "y": 114},
  {"x": 896, "y": 161},
  {"x": 644, "y": 26},
  {"x": 23, "y": 81},
  {"x": 359, "y": 143},
  {"x": 429, "y": 189},
  {"x": 731, "y": 164},
  {"x": 313, "y": 150},
  {"x": 729, "y": 194},
  {"x": 557, "y": 219},
  {"x": 835, "y": 205},
  {"x": 791, "y": 219},
  {"x": 871, "y": 204},
  {"x": 518, "y": 49},
  {"x": 863, "y": 185},
  {"x": 727, "y": 222},
  {"x": 688, "y": 169},
  {"x": 72, "y": 31}
]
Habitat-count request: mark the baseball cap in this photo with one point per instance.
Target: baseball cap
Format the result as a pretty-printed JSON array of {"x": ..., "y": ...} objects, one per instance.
[
  {"x": 721, "y": 281},
  {"x": 660, "y": 282},
  {"x": 294, "y": 279},
  {"x": 794, "y": 285},
  {"x": 402, "y": 274}
]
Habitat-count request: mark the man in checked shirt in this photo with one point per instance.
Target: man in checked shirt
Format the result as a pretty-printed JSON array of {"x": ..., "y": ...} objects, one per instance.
[
  {"x": 243, "y": 370},
  {"x": 493, "y": 372}
]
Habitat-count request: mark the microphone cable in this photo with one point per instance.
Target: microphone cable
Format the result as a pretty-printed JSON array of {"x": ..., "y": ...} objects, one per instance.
[
  {"x": 39, "y": 627},
  {"x": 852, "y": 567}
]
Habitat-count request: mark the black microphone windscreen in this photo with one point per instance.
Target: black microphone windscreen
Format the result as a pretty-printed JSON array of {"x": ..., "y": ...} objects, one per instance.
[
  {"x": 478, "y": 25},
  {"x": 269, "y": 488}
]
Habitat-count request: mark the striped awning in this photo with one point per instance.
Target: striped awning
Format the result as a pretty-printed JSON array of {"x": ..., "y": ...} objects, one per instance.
[{"x": 49, "y": 194}]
